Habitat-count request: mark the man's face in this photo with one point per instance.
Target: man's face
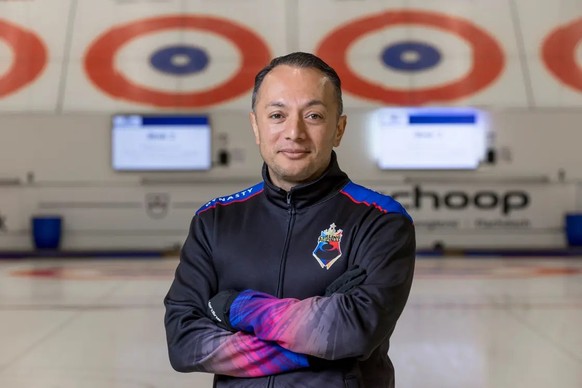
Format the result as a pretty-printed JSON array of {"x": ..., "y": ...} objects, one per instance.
[{"x": 296, "y": 124}]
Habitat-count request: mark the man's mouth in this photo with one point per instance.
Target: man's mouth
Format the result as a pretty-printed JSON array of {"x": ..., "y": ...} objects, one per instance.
[{"x": 294, "y": 154}]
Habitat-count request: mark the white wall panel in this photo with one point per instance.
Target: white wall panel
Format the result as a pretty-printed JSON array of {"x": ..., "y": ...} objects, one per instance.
[
  {"x": 537, "y": 25},
  {"x": 487, "y": 214},
  {"x": 48, "y": 23}
]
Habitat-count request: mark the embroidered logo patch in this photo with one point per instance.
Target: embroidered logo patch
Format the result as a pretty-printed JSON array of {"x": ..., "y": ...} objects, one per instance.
[{"x": 328, "y": 248}]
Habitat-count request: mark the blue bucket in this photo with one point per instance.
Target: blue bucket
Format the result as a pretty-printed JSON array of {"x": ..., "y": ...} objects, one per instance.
[
  {"x": 46, "y": 231},
  {"x": 574, "y": 229}
]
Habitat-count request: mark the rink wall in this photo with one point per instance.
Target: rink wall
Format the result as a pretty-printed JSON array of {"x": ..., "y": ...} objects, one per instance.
[{"x": 60, "y": 165}]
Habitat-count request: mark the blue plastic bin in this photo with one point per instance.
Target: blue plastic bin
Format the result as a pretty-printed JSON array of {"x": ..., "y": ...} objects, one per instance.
[
  {"x": 574, "y": 229},
  {"x": 46, "y": 231}
]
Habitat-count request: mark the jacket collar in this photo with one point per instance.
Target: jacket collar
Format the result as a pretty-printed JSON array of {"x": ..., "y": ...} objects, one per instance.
[{"x": 306, "y": 194}]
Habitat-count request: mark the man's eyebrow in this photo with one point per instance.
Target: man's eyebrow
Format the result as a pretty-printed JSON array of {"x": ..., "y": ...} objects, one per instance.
[
  {"x": 276, "y": 104},
  {"x": 315, "y": 102},
  {"x": 279, "y": 104}
]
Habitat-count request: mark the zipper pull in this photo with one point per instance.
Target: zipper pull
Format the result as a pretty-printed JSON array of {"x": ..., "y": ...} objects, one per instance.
[{"x": 291, "y": 207}]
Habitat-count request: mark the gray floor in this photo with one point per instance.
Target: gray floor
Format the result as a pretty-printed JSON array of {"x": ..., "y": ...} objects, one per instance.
[{"x": 470, "y": 322}]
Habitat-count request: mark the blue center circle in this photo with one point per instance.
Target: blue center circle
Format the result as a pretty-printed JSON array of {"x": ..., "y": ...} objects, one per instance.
[
  {"x": 180, "y": 60},
  {"x": 411, "y": 56}
]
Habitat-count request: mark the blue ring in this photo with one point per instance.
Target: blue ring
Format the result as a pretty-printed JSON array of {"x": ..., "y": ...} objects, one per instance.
[
  {"x": 163, "y": 60},
  {"x": 428, "y": 56}
]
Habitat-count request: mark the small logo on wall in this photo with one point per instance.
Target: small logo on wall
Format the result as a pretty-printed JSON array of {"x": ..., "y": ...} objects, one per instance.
[
  {"x": 328, "y": 249},
  {"x": 157, "y": 204}
]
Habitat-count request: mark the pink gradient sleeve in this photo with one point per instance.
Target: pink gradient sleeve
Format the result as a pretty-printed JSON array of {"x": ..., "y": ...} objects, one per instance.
[
  {"x": 291, "y": 323},
  {"x": 244, "y": 355}
]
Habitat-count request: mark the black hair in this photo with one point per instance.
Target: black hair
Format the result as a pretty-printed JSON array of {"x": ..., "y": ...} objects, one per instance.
[{"x": 301, "y": 60}]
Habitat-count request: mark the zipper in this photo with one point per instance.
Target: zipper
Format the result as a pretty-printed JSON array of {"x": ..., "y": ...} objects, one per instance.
[{"x": 291, "y": 211}]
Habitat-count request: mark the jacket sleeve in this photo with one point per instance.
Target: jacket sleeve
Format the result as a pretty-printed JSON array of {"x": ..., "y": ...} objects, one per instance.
[
  {"x": 341, "y": 325},
  {"x": 195, "y": 343}
]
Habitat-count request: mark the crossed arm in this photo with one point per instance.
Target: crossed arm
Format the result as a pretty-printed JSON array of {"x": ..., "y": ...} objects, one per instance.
[
  {"x": 195, "y": 342},
  {"x": 199, "y": 345}
]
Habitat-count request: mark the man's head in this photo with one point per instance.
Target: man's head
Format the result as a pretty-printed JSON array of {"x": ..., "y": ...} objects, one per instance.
[
  {"x": 301, "y": 60},
  {"x": 297, "y": 117}
]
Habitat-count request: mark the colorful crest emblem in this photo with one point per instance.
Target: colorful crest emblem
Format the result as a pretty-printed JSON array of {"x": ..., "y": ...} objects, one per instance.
[{"x": 328, "y": 248}]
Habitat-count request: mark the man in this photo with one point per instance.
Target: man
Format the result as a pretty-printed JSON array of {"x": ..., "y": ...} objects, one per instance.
[{"x": 299, "y": 280}]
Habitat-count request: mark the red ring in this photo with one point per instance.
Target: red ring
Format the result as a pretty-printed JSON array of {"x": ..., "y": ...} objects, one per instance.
[
  {"x": 101, "y": 71},
  {"x": 30, "y": 57},
  {"x": 488, "y": 58},
  {"x": 558, "y": 53}
]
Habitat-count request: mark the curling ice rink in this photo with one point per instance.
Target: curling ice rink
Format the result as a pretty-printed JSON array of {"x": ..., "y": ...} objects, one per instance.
[{"x": 470, "y": 323}]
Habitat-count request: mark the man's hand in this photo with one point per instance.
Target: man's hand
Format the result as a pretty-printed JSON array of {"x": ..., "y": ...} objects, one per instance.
[
  {"x": 218, "y": 308},
  {"x": 350, "y": 279}
]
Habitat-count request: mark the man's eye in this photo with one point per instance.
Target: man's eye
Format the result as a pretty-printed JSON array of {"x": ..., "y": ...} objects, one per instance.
[
  {"x": 314, "y": 116},
  {"x": 276, "y": 116}
]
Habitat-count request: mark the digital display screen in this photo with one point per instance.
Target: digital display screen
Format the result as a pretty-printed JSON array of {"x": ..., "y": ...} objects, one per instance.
[
  {"x": 429, "y": 138},
  {"x": 161, "y": 143}
]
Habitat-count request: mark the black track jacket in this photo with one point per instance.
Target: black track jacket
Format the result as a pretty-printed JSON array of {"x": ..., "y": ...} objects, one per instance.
[{"x": 282, "y": 249}]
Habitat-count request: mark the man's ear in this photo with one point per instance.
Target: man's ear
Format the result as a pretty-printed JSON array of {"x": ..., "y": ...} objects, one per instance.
[
  {"x": 340, "y": 129},
  {"x": 253, "y": 120}
]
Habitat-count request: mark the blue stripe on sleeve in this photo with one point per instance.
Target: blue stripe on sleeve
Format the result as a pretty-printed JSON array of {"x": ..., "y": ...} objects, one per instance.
[{"x": 382, "y": 202}]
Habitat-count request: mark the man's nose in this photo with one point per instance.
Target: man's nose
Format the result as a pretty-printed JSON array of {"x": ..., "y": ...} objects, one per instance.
[{"x": 295, "y": 128}]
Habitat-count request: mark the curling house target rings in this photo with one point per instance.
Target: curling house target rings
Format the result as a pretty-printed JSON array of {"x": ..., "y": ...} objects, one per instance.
[
  {"x": 99, "y": 62},
  {"x": 488, "y": 58}
]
